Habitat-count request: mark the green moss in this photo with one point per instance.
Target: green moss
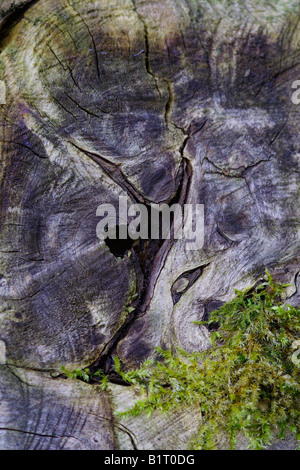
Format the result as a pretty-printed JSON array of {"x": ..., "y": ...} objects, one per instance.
[
  {"x": 246, "y": 384},
  {"x": 87, "y": 376}
]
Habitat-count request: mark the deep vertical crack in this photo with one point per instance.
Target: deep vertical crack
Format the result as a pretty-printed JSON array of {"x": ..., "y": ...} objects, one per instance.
[
  {"x": 152, "y": 255},
  {"x": 91, "y": 36},
  {"x": 147, "y": 48},
  {"x": 169, "y": 102}
]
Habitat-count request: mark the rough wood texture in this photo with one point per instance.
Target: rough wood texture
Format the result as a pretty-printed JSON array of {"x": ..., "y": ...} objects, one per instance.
[
  {"x": 155, "y": 101},
  {"x": 171, "y": 431},
  {"x": 40, "y": 413}
]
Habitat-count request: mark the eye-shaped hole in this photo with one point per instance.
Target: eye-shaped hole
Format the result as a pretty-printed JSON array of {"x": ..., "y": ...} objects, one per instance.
[
  {"x": 185, "y": 281},
  {"x": 180, "y": 285},
  {"x": 117, "y": 244}
]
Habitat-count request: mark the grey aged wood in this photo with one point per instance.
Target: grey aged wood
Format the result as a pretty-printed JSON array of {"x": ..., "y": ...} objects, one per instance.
[{"x": 171, "y": 101}]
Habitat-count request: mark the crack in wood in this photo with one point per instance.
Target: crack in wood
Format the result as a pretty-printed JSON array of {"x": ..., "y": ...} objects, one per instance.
[
  {"x": 64, "y": 67},
  {"x": 81, "y": 107},
  {"x": 12, "y": 18},
  {"x": 156, "y": 251},
  {"x": 114, "y": 171},
  {"x": 147, "y": 48},
  {"x": 92, "y": 39}
]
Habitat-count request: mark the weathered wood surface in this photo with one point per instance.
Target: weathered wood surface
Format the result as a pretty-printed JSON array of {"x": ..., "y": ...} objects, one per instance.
[
  {"x": 155, "y": 101},
  {"x": 40, "y": 413}
]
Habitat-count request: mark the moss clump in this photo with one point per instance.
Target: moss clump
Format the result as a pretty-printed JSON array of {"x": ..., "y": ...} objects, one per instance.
[
  {"x": 86, "y": 375},
  {"x": 246, "y": 384}
]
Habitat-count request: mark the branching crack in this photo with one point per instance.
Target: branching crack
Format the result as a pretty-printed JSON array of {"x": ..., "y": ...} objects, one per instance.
[
  {"x": 91, "y": 36},
  {"x": 234, "y": 173},
  {"x": 64, "y": 67},
  {"x": 129, "y": 433},
  {"x": 115, "y": 173},
  {"x": 156, "y": 252},
  {"x": 147, "y": 49}
]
